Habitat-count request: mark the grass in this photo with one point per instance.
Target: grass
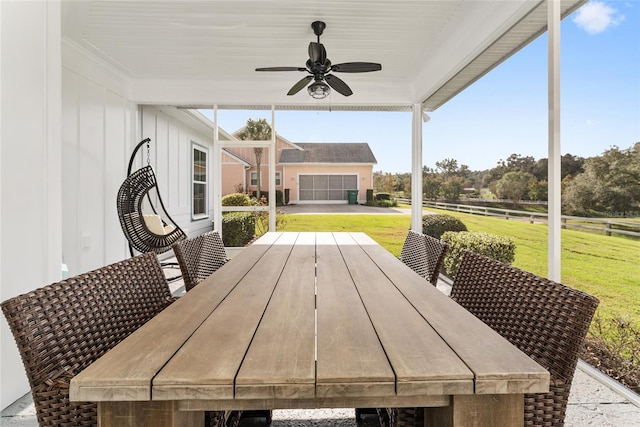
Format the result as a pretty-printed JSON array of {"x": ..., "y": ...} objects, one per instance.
[{"x": 606, "y": 267}]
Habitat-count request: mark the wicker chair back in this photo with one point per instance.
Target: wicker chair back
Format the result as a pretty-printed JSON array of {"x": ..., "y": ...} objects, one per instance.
[
  {"x": 199, "y": 257},
  {"x": 62, "y": 328},
  {"x": 546, "y": 320},
  {"x": 424, "y": 254}
]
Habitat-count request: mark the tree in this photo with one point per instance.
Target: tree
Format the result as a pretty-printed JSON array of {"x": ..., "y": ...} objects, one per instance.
[
  {"x": 452, "y": 187},
  {"x": 514, "y": 185},
  {"x": 610, "y": 182},
  {"x": 256, "y": 130}
]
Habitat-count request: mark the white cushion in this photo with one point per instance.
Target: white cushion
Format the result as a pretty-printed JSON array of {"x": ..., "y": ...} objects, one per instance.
[{"x": 154, "y": 224}]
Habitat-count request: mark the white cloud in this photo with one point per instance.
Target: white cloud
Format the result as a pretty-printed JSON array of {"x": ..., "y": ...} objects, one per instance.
[{"x": 596, "y": 16}]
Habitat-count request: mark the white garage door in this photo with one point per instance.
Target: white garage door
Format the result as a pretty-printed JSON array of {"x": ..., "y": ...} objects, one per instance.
[{"x": 326, "y": 187}]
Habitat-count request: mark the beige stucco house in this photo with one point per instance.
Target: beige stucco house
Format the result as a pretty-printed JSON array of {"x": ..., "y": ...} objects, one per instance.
[{"x": 311, "y": 172}]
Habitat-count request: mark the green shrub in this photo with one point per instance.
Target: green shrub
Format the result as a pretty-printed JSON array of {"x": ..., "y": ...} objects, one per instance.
[
  {"x": 391, "y": 203},
  {"x": 236, "y": 199},
  {"x": 435, "y": 225},
  {"x": 265, "y": 194},
  {"x": 238, "y": 228},
  {"x": 369, "y": 196},
  {"x": 501, "y": 248}
]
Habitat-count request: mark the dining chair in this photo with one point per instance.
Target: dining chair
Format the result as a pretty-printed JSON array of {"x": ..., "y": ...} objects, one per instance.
[
  {"x": 544, "y": 319},
  {"x": 199, "y": 257},
  {"x": 62, "y": 328},
  {"x": 424, "y": 254}
]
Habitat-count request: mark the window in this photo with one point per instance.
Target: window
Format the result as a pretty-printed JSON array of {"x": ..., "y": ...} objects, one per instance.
[
  {"x": 199, "y": 183},
  {"x": 253, "y": 179}
]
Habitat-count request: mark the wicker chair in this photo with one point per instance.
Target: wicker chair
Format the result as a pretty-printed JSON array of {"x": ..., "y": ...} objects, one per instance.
[
  {"x": 424, "y": 254},
  {"x": 199, "y": 257},
  {"x": 62, "y": 328},
  {"x": 546, "y": 320}
]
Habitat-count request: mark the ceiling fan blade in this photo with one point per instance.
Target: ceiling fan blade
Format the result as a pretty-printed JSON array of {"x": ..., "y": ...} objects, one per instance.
[
  {"x": 317, "y": 53},
  {"x": 281, "y": 69},
  {"x": 356, "y": 67},
  {"x": 298, "y": 86},
  {"x": 338, "y": 85}
]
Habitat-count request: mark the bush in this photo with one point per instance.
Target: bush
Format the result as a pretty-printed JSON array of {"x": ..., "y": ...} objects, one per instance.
[
  {"x": 497, "y": 247},
  {"x": 391, "y": 203},
  {"x": 265, "y": 194},
  {"x": 435, "y": 225},
  {"x": 238, "y": 228},
  {"x": 236, "y": 199},
  {"x": 369, "y": 197},
  {"x": 382, "y": 196}
]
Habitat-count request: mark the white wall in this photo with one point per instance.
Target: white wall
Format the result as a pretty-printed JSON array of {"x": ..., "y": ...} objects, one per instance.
[
  {"x": 67, "y": 129},
  {"x": 30, "y": 186},
  {"x": 98, "y": 126},
  {"x": 172, "y": 133}
]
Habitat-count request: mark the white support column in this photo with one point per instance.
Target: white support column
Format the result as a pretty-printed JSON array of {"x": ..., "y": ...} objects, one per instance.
[
  {"x": 272, "y": 172},
  {"x": 416, "y": 169},
  {"x": 553, "y": 31},
  {"x": 217, "y": 174}
]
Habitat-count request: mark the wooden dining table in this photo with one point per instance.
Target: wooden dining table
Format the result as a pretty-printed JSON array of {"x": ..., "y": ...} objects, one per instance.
[{"x": 312, "y": 320}]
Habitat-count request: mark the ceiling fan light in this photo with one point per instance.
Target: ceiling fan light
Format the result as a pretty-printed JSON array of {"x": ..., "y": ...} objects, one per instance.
[{"x": 319, "y": 90}]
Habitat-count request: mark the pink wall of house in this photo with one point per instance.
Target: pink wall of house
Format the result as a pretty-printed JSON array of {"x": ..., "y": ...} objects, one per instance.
[{"x": 232, "y": 174}]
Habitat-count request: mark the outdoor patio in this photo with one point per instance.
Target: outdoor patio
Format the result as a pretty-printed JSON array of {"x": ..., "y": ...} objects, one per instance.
[{"x": 593, "y": 400}]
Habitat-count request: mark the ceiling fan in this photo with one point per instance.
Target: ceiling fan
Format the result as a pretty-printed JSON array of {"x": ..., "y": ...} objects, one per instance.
[{"x": 319, "y": 67}]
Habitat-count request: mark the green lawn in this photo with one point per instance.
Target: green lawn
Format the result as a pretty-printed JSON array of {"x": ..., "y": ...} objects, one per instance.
[{"x": 606, "y": 267}]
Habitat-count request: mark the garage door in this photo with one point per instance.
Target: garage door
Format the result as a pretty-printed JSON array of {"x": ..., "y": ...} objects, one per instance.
[{"x": 326, "y": 187}]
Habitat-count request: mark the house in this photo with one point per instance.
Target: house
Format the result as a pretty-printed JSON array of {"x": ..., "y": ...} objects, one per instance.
[
  {"x": 309, "y": 172},
  {"x": 83, "y": 82}
]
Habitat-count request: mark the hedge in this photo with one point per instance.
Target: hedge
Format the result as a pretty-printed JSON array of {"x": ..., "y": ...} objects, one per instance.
[
  {"x": 236, "y": 199},
  {"x": 435, "y": 225},
  {"x": 238, "y": 228},
  {"x": 501, "y": 248}
]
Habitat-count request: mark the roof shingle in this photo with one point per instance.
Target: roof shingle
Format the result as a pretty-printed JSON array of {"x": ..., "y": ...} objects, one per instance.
[{"x": 334, "y": 152}]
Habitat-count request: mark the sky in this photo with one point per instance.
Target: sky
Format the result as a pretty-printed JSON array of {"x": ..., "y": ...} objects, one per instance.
[{"x": 505, "y": 112}]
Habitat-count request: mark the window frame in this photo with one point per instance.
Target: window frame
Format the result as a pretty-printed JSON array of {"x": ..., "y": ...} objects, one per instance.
[
  {"x": 204, "y": 150},
  {"x": 253, "y": 174}
]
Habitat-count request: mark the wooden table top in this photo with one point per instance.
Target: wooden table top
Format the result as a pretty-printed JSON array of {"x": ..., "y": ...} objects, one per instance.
[{"x": 310, "y": 320}]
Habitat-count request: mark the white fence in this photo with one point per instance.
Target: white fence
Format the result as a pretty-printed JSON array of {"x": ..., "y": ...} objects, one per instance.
[{"x": 607, "y": 226}]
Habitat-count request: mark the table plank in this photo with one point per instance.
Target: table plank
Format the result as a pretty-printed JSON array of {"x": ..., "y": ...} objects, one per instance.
[
  {"x": 281, "y": 360},
  {"x": 351, "y": 360},
  {"x": 422, "y": 361},
  {"x": 498, "y": 366},
  {"x": 206, "y": 365},
  {"x": 126, "y": 371}
]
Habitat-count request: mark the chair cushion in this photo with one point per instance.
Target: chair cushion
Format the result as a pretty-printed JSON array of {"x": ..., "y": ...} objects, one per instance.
[{"x": 154, "y": 224}]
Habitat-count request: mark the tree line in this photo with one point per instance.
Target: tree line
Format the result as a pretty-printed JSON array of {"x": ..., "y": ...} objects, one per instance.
[{"x": 606, "y": 183}]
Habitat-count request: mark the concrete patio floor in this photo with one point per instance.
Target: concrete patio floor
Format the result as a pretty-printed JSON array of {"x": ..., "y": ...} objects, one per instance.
[{"x": 592, "y": 402}]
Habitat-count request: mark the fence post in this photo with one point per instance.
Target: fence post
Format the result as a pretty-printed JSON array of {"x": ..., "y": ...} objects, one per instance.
[
  {"x": 563, "y": 223},
  {"x": 530, "y": 219},
  {"x": 607, "y": 228}
]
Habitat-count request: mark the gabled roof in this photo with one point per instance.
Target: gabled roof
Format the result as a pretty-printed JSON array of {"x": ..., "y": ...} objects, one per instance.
[{"x": 335, "y": 152}]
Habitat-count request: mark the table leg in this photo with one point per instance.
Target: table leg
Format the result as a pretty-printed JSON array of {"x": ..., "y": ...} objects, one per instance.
[
  {"x": 479, "y": 410},
  {"x": 157, "y": 414}
]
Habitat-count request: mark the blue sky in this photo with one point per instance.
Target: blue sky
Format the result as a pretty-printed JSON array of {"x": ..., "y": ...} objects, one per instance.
[{"x": 505, "y": 112}]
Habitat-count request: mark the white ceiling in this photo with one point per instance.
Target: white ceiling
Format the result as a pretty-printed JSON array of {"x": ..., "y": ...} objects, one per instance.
[{"x": 205, "y": 52}]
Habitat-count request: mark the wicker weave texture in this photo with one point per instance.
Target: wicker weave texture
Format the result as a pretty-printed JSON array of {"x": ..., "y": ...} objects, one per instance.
[
  {"x": 129, "y": 204},
  {"x": 546, "y": 320},
  {"x": 199, "y": 257},
  {"x": 62, "y": 328},
  {"x": 424, "y": 255}
]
